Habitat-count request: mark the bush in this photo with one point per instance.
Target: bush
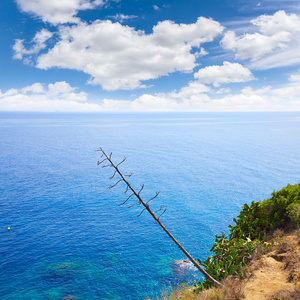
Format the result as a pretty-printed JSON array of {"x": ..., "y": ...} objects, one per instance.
[
  {"x": 283, "y": 207},
  {"x": 230, "y": 254},
  {"x": 251, "y": 226}
]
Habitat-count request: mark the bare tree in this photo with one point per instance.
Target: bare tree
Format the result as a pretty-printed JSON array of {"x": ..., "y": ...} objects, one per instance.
[{"x": 107, "y": 159}]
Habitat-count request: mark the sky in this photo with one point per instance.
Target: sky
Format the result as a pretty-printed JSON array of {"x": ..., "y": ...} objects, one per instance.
[{"x": 149, "y": 56}]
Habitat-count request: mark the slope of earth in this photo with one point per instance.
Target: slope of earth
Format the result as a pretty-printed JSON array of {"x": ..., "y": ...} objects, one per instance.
[{"x": 275, "y": 275}]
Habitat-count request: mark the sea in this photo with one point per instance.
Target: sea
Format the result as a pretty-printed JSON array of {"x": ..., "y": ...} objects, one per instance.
[{"x": 70, "y": 238}]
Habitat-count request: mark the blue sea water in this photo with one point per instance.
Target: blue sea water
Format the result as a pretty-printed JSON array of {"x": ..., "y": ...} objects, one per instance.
[{"x": 69, "y": 236}]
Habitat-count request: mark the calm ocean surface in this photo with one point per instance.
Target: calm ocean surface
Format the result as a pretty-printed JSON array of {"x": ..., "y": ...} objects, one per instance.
[{"x": 69, "y": 236}]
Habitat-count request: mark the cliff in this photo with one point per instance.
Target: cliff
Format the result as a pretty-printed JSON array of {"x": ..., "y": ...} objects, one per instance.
[{"x": 261, "y": 257}]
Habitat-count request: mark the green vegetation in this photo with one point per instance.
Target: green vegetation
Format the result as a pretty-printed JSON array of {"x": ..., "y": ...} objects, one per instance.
[{"x": 252, "y": 225}]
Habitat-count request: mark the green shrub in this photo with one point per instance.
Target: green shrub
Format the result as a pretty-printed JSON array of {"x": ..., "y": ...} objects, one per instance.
[
  {"x": 294, "y": 212},
  {"x": 258, "y": 218},
  {"x": 280, "y": 209},
  {"x": 251, "y": 226},
  {"x": 250, "y": 223},
  {"x": 228, "y": 258}
]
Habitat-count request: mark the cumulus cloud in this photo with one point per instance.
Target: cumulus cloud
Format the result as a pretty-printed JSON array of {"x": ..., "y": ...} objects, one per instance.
[
  {"x": 276, "y": 44},
  {"x": 60, "y": 88},
  {"x": 222, "y": 91},
  {"x": 201, "y": 53},
  {"x": 153, "y": 103},
  {"x": 295, "y": 78},
  {"x": 199, "y": 97},
  {"x": 205, "y": 103},
  {"x": 170, "y": 34},
  {"x": 188, "y": 98},
  {"x": 10, "y": 92},
  {"x": 57, "y": 11},
  {"x": 290, "y": 90},
  {"x": 250, "y": 91},
  {"x": 279, "y": 22},
  {"x": 38, "y": 44},
  {"x": 196, "y": 96},
  {"x": 227, "y": 73},
  {"x": 120, "y": 57},
  {"x": 254, "y": 46},
  {"x": 59, "y": 96},
  {"x": 36, "y": 88},
  {"x": 242, "y": 102},
  {"x": 192, "y": 89}
]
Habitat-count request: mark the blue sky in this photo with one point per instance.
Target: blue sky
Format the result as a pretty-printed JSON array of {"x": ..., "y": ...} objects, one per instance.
[{"x": 140, "y": 55}]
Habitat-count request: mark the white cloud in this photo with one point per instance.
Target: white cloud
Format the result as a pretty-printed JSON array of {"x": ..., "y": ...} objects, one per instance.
[
  {"x": 227, "y": 73},
  {"x": 288, "y": 57},
  {"x": 36, "y": 88},
  {"x": 192, "y": 89},
  {"x": 276, "y": 44},
  {"x": 38, "y": 44},
  {"x": 59, "y": 96},
  {"x": 199, "y": 97},
  {"x": 222, "y": 91},
  {"x": 57, "y": 11},
  {"x": 241, "y": 102},
  {"x": 295, "y": 78},
  {"x": 279, "y": 22},
  {"x": 254, "y": 46},
  {"x": 119, "y": 57},
  {"x": 121, "y": 17},
  {"x": 202, "y": 52},
  {"x": 171, "y": 34},
  {"x": 205, "y": 103},
  {"x": 290, "y": 90},
  {"x": 10, "y": 92},
  {"x": 250, "y": 91},
  {"x": 154, "y": 103},
  {"x": 61, "y": 87}
]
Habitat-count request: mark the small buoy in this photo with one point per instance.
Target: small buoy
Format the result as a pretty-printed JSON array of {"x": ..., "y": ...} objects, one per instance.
[{"x": 8, "y": 228}]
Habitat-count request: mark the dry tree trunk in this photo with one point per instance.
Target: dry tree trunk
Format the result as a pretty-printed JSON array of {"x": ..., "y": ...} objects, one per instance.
[{"x": 146, "y": 207}]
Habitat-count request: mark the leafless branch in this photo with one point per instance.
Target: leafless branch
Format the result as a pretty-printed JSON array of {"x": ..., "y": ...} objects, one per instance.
[
  {"x": 113, "y": 175},
  {"x": 100, "y": 162},
  {"x": 126, "y": 189},
  {"x": 159, "y": 209},
  {"x": 141, "y": 212},
  {"x": 140, "y": 190},
  {"x": 128, "y": 175},
  {"x": 157, "y": 193},
  {"x": 110, "y": 187},
  {"x": 126, "y": 200},
  {"x": 137, "y": 203},
  {"x": 121, "y": 161},
  {"x": 105, "y": 166},
  {"x": 162, "y": 213}
]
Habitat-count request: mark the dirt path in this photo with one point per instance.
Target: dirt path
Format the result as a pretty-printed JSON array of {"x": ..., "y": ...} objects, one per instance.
[
  {"x": 273, "y": 275},
  {"x": 267, "y": 280}
]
